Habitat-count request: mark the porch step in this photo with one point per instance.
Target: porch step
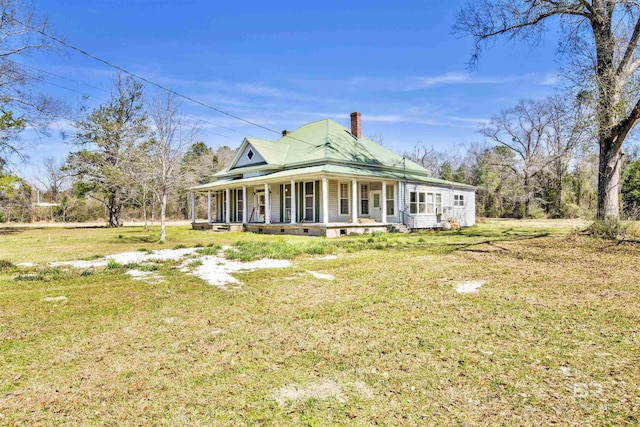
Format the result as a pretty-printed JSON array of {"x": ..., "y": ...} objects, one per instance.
[
  {"x": 398, "y": 228},
  {"x": 220, "y": 228}
]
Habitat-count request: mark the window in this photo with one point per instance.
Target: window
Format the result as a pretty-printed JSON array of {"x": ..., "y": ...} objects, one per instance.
[
  {"x": 308, "y": 201},
  {"x": 458, "y": 200},
  {"x": 287, "y": 202},
  {"x": 364, "y": 199},
  {"x": 390, "y": 200},
  {"x": 419, "y": 203},
  {"x": 239, "y": 205},
  {"x": 250, "y": 154},
  {"x": 343, "y": 198},
  {"x": 413, "y": 202},
  {"x": 430, "y": 206},
  {"x": 261, "y": 201},
  {"x": 376, "y": 200}
]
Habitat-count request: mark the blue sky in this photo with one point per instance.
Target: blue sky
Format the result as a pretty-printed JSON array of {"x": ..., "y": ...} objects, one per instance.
[{"x": 283, "y": 63}]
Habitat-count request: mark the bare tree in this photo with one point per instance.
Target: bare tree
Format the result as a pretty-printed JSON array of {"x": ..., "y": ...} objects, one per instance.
[
  {"x": 161, "y": 157},
  {"x": 20, "y": 105},
  {"x": 53, "y": 178},
  {"x": 539, "y": 134},
  {"x": 601, "y": 38}
]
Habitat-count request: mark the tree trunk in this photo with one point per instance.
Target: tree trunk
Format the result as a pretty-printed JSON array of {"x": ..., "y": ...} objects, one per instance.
[
  {"x": 610, "y": 167},
  {"x": 163, "y": 209},
  {"x": 114, "y": 211}
]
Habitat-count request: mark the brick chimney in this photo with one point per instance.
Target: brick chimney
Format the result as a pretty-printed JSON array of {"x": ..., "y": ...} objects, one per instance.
[
  {"x": 286, "y": 132},
  {"x": 356, "y": 130}
]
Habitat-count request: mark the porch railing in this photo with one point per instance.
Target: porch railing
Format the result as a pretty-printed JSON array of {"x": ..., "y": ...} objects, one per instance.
[{"x": 407, "y": 219}]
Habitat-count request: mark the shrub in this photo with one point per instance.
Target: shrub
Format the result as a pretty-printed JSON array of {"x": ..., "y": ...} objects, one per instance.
[
  {"x": 209, "y": 250},
  {"x": 609, "y": 229},
  {"x": 113, "y": 265},
  {"x": 6, "y": 265}
]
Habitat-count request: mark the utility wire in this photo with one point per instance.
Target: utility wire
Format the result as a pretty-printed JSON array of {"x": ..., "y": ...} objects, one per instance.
[
  {"x": 84, "y": 52},
  {"x": 198, "y": 119},
  {"x": 109, "y": 64}
]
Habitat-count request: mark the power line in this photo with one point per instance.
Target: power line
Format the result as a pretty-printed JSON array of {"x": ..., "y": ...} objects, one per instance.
[
  {"x": 198, "y": 119},
  {"x": 60, "y": 76},
  {"x": 193, "y": 100},
  {"x": 84, "y": 52}
]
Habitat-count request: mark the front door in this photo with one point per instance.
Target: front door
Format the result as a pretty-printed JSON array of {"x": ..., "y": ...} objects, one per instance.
[
  {"x": 259, "y": 203},
  {"x": 376, "y": 205}
]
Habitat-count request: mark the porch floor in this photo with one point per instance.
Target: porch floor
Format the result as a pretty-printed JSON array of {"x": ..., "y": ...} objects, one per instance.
[{"x": 334, "y": 229}]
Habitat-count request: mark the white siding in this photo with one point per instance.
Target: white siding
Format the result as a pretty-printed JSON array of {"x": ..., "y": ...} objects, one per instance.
[
  {"x": 465, "y": 216},
  {"x": 244, "y": 158}
]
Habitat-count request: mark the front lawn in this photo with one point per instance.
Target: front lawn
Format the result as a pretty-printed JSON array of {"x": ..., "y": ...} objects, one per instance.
[{"x": 361, "y": 330}]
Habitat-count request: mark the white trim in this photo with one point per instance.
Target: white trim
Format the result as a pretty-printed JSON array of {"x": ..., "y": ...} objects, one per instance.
[
  {"x": 227, "y": 206},
  {"x": 383, "y": 202},
  {"x": 325, "y": 200},
  {"x": 209, "y": 207},
  {"x": 354, "y": 201},
  {"x": 267, "y": 205},
  {"x": 294, "y": 212},
  {"x": 244, "y": 204}
]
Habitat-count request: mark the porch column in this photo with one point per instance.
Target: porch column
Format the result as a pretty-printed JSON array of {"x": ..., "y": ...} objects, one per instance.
[
  {"x": 325, "y": 200},
  {"x": 293, "y": 202},
  {"x": 193, "y": 207},
  {"x": 267, "y": 205},
  {"x": 244, "y": 204},
  {"x": 209, "y": 206},
  {"x": 383, "y": 202},
  {"x": 227, "y": 206},
  {"x": 396, "y": 201},
  {"x": 354, "y": 201}
]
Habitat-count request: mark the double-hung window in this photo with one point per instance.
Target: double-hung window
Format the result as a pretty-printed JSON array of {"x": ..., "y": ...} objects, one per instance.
[
  {"x": 344, "y": 190},
  {"x": 308, "y": 201},
  {"x": 364, "y": 199},
  {"x": 391, "y": 205}
]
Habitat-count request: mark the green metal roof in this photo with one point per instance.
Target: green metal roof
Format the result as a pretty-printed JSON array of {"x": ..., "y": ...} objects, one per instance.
[
  {"x": 324, "y": 147},
  {"x": 272, "y": 152}
]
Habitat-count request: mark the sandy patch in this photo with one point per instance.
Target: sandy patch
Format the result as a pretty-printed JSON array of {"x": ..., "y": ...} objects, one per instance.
[
  {"x": 321, "y": 275},
  {"x": 54, "y": 299},
  {"x": 129, "y": 258},
  {"x": 322, "y": 390},
  {"x": 469, "y": 287},
  {"x": 216, "y": 270},
  {"x": 26, "y": 264}
]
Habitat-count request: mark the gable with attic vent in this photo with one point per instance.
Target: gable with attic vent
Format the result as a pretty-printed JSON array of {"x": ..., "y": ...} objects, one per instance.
[{"x": 250, "y": 156}]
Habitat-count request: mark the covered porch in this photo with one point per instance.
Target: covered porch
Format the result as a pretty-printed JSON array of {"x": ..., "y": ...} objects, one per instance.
[{"x": 313, "y": 205}]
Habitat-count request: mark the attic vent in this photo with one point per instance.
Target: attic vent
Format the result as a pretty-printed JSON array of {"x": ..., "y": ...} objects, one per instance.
[{"x": 250, "y": 154}]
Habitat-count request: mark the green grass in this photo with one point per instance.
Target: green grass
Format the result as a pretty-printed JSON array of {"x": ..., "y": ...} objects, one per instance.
[{"x": 551, "y": 337}]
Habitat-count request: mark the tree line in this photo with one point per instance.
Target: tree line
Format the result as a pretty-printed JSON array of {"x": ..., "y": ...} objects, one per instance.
[
  {"x": 561, "y": 156},
  {"x": 135, "y": 153},
  {"x": 538, "y": 160}
]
